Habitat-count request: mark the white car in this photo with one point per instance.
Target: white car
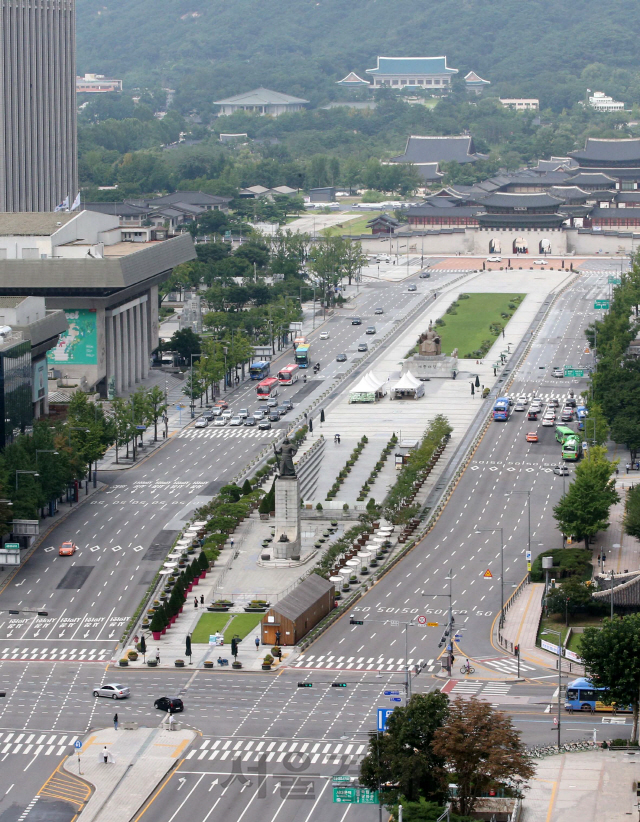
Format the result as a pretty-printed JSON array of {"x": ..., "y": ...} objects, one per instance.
[
  {"x": 494, "y": 259},
  {"x": 220, "y": 422},
  {"x": 536, "y": 407},
  {"x": 537, "y": 401},
  {"x": 540, "y": 262},
  {"x": 216, "y": 411},
  {"x": 549, "y": 420},
  {"x": 226, "y": 415},
  {"x": 383, "y": 258},
  {"x": 244, "y": 413},
  {"x": 201, "y": 422},
  {"x": 519, "y": 406},
  {"x": 324, "y": 335},
  {"x": 557, "y": 372},
  {"x": 235, "y": 421},
  {"x": 522, "y": 399}
]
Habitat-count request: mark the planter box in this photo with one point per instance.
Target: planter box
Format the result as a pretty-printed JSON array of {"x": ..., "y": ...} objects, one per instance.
[
  {"x": 179, "y": 664},
  {"x": 156, "y": 635},
  {"x": 152, "y": 663},
  {"x": 266, "y": 667},
  {"x": 123, "y": 663},
  {"x": 208, "y": 663},
  {"x": 218, "y": 608},
  {"x": 249, "y": 610},
  {"x": 236, "y": 665}
]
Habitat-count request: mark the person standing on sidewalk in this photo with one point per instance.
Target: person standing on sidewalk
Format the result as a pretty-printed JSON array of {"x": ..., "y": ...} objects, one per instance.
[
  {"x": 157, "y": 656},
  {"x": 115, "y": 722},
  {"x": 202, "y": 600},
  {"x": 195, "y": 603},
  {"x": 257, "y": 642}
]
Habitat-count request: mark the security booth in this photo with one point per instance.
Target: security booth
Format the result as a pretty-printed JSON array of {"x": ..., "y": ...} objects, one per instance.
[
  {"x": 296, "y": 614},
  {"x": 405, "y": 447}
]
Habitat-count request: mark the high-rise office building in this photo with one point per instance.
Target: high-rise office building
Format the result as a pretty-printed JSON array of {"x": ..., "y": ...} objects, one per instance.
[{"x": 38, "y": 142}]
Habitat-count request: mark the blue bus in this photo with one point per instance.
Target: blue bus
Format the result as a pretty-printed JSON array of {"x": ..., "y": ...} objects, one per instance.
[
  {"x": 302, "y": 355},
  {"x": 259, "y": 370},
  {"x": 581, "y": 413},
  {"x": 501, "y": 409},
  {"x": 583, "y": 696}
]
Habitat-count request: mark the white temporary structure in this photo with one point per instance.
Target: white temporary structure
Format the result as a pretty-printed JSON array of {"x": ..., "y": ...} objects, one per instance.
[
  {"x": 407, "y": 387},
  {"x": 369, "y": 389}
]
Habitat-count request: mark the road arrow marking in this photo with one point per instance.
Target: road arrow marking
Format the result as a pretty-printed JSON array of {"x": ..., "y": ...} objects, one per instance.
[
  {"x": 18, "y": 584},
  {"x": 215, "y": 782},
  {"x": 36, "y": 634},
  {"x": 182, "y": 780},
  {"x": 87, "y": 634},
  {"x": 111, "y": 634},
  {"x": 62, "y": 632},
  {"x": 275, "y": 787}
]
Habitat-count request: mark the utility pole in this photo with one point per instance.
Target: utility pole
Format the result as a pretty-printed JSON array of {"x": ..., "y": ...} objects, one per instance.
[
  {"x": 450, "y": 623},
  {"x": 395, "y": 623}
]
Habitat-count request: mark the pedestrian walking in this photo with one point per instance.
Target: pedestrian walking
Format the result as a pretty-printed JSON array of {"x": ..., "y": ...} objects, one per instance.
[
  {"x": 157, "y": 656},
  {"x": 172, "y": 722},
  {"x": 231, "y": 542},
  {"x": 105, "y": 755},
  {"x": 257, "y": 642},
  {"x": 628, "y": 466},
  {"x": 115, "y": 722},
  {"x": 195, "y": 603},
  {"x": 202, "y": 599},
  {"x": 616, "y": 471},
  {"x": 305, "y": 416}
]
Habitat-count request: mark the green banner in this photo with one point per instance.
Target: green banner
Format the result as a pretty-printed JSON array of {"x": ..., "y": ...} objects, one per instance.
[{"x": 79, "y": 345}]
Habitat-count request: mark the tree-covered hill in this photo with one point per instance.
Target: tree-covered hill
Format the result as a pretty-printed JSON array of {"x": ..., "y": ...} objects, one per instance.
[{"x": 207, "y": 49}]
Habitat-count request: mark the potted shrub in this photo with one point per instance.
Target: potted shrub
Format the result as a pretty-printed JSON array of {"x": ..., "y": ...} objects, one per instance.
[
  {"x": 151, "y": 663},
  {"x": 267, "y": 662},
  {"x": 195, "y": 571},
  {"x": 208, "y": 663},
  {"x": 236, "y": 665},
  {"x": 179, "y": 663},
  {"x": 145, "y": 624},
  {"x": 132, "y": 656},
  {"x": 124, "y": 663},
  {"x": 157, "y": 624}
]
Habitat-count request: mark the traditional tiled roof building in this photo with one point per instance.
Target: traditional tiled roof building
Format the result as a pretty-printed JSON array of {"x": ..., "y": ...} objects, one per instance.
[
  {"x": 421, "y": 72},
  {"x": 425, "y": 153}
]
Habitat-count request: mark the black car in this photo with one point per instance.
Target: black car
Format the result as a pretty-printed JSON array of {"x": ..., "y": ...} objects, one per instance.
[
  {"x": 371, "y": 329},
  {"x": 363, "y": 347},
  {"x": 287, "y": 404},
  {"x": 264, "y": 425},
  {"x": 567, "y": 415},
  {"x": 532, "y": 415},
  {"x": 356, "y": 321},
  {"x": 209, "y": 416},
  {"x": 424, "y": 275},
  {"x": 570, "y": 402},
  {"x": 282, "y": 410},
  {"x": 341, "y": 358},
  {"x": 249, "y": 421},
  {"x": 274, "y": 416},
  {"x": 171, "y": 704}
]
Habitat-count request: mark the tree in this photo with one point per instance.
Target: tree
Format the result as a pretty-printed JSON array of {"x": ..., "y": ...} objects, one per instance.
[
  {"x": 570, "y": 597},
  {"x": 124, "y": 428},
  {"x": 185, "y": 342},
  {"x": 155, "y": 408},
  {"x": 631, "y": 520},
  {"x": 611, "y": 655},
  {"x": 625, "y": 429},
  {"x": 353, "y": 259},
  {"x": 403, "y": 759},
  {"x": 584, "y": 510},
  {"x": 481, "y": 747}
]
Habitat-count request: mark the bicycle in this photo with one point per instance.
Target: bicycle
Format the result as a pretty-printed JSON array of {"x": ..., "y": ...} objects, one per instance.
[{"x": 467, "y": 669}]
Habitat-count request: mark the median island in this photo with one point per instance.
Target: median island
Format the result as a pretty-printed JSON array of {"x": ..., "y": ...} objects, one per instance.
[{"x": 474, "y": 321}]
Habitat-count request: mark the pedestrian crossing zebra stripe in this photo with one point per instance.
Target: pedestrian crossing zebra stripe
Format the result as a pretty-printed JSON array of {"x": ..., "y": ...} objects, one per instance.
[
  {"x": 35, "y": 744},
  {"x": 275, "y": 751},
  {"x": 360, "y": 664},
  {"x": 227, "y": 434},
  {"x": 55, "y": 654}
]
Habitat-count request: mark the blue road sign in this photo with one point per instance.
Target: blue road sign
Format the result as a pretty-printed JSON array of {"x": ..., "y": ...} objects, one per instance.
[
  {"x": 383, "y": 713},
  {"x": 395, "y": 699},
  {"x": 391, "y": 693},
  {"x": 77, "y": 744}
]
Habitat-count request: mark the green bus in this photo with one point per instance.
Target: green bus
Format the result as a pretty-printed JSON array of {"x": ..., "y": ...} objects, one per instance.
[
  {"x": 572, "y": 448},
  {"x": 562, "y": 432}
]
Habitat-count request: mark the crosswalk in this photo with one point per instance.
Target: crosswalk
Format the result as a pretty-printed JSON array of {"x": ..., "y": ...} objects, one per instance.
[
  {"x": 251, "y": 750},
  {"x": 226, "y": 433},
  {"x": 35, "y": 744},
  {"x": 507, "y": 665},
  {"x": 475, "y": 687},
  {"x": 352, "y": 663},
  {"x": 56, "y": 654}
]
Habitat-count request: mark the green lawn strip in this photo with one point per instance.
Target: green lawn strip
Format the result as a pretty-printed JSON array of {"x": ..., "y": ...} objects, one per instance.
[
  {"x": 466, "y": 329},
  {"x": 208, "y": 624},
  {"x": 357, "y": 225},
  {"x": 241, "y": 625},
  {"x": 556, "y": 621}
]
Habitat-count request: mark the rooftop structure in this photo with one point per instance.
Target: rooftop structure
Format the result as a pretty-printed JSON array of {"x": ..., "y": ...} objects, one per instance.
[
  {"x": 422, "y": 72},
  {"x": 97, "y": 84},
  {"x": 601, "y": 102},
  {"x": 353, "y": 81},
  {"x": 261, "y": 101},
  {"x": 605, "y": 153},
  {"x": 521, "y": 103},
  {"x": 425, "y": 153},
  {"x": 475, "y": 83}
]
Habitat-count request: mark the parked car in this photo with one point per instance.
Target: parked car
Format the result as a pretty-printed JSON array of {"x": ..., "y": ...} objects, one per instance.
[
  {"x": 67, "y": 549},
  {"x": 540, "y": 262},
  {"x": 170, "y": 704},
  {"x": 112, "y": 691}
]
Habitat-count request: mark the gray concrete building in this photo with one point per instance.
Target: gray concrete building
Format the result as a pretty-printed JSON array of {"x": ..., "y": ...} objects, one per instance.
[
  {"x": 38, "y": 142},
  {"x": 106, "y": 286}
]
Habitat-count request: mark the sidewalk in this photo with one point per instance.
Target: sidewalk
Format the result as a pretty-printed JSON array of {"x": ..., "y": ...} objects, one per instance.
[
  {"x": 138, "y": 759},
  {"x": 586, "y": 786},
  {"x": 521, "y": 628},
  {"x": 622, "y": 551}
]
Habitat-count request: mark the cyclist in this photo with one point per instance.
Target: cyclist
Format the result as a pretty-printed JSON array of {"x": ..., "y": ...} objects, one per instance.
[{"x": 467, "y": 665}]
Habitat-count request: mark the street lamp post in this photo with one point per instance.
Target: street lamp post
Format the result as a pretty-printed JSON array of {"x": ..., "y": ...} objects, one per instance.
[
  {"x": 35, "y": 474},
  {"x": 559, "y": 646},
  {"x": 492, "y": 531},
  {"x": 450, "y": 622},
  {"x": 44, "y": 451},
  {"x": 394, "y": 623},
  {"x": 528, "y": 493}
]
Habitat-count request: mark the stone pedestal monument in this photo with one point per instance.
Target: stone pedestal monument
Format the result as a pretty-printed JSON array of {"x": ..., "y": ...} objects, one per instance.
[
  {"x": 430, "y": 361},
  {"x": 286, "y": 539}
]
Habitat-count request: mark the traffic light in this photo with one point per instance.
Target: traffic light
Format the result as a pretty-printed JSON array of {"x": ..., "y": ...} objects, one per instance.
[
  {"x": 305, "y": 684},
  {"x": 516, "y": 650},
  {"x": 338, "y": 684},
  {"x": 353, "y": 621}
]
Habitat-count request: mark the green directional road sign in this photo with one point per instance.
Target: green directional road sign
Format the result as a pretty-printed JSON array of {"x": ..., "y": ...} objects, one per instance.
[
  {"x": 12, "y": 546},
  {"x": 573, "y": 372},
  {"x": 341, "y": 778},
  {"x": 601, "y": 304},
  {"x": 355, "y": 796},
  {"x": 614, "y": 280}
]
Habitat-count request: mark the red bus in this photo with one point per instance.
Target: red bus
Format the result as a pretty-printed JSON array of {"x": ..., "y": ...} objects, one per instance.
[
  {"x": 288, "y": 375},
  {"x": 267, "y": 388}
]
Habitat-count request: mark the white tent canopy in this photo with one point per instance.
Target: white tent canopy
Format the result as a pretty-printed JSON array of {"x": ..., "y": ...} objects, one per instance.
[
  {"x": 408, "y": 386},
  {"x": 369, "y": 389}
]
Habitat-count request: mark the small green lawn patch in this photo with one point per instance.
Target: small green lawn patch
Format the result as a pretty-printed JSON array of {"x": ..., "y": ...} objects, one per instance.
[
  {"x": 208, "y": 624},
  {"x": 241, "y": 625},
  {"x": 556, "y": 621},
  {"x": 357, "y": 225},
  {"x": 468, "y": 327}
]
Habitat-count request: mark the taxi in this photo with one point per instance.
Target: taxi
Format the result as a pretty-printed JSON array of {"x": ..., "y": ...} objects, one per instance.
[
  {"x": 67, "y": 549},
  {"x": 532, "y": 436}
]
